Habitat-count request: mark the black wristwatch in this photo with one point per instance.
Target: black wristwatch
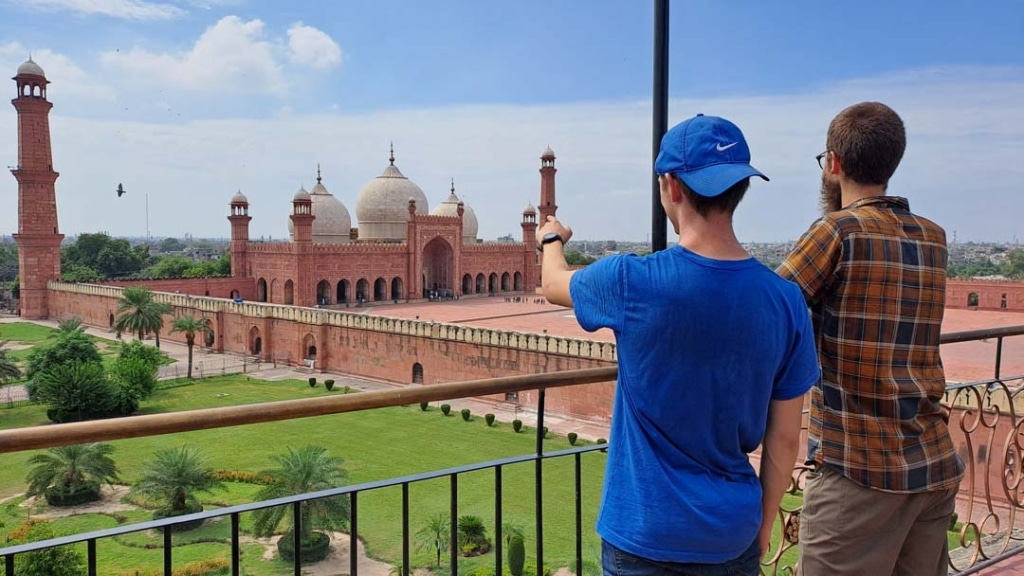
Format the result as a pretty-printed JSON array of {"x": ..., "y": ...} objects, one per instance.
[{"x": 549, "y": 238}]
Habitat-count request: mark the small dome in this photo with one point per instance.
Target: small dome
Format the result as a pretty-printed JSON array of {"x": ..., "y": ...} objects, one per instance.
[
  {"x": 383, "y": 205},
  {"x": 332, "y": 223},
  {"x": 30, "y": 67},
  {"x": 548, "y": 153},
  {"x": 450, "y": 207},
  {"x": 239, "y": 198},
  {"x": 301, "y": 195},
  {"x": 529, "y": 209}
]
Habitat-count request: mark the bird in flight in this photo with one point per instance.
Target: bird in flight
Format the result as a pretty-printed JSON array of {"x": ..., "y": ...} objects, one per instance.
[{"x": 120, "y": 190}]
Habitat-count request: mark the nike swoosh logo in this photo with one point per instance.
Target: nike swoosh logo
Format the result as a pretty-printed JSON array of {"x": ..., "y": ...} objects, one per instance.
[{"x": 721, "y": 148}]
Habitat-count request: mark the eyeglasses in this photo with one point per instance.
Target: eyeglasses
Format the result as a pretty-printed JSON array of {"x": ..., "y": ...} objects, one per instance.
[{"x": 820, "y": 157}]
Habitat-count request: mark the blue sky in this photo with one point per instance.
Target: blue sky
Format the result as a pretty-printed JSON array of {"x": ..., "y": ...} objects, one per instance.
[{"x": 188, "y": 101}]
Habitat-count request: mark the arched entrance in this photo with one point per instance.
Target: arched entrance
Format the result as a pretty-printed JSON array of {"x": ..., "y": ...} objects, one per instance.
[
  {"x": 208, "y": 337},
  {"x": 323, "y": 293},
  {"x": 342, "y": 295},
  {"x": 972, "y": 299},
  {"x": 362, "y": 287},
  {"x": 505, "y": 282},
  {"x": 289, "y": 292},
  {"x": 437, "y": 267},
  {"x": 492, "y": 283},
  {"x": 417, "y": 373},
  {"x": 261, "y": 290},
  {"x": 235, "y": 295},
  {"x": 517, "y": 282},
  {"x": 396, "y": 288},
  {"x": 481, "y": 283},
  {"x": 467, "y": 284},
  {"x": 111, "y": 319},
  {"x": 309, "y": 350},
  {"x": 255, "y": 341},
  {"x": 380, "y": 289}
]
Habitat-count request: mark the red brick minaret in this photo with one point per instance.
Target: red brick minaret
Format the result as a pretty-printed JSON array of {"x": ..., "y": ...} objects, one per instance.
[
  {"x": 38, "y": 237},
  {"x": 531, "y": 263},
  {"x": 239, "y": 219},
  {"x": 304, "y": 288},
  {"x": 547, "y": 207}
]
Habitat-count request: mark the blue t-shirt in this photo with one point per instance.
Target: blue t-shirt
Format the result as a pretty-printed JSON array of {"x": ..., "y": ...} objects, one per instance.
[{"x": 704, "y": 345}]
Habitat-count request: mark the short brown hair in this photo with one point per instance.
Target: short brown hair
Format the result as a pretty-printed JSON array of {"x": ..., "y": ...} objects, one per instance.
[
  {"x": 725, "y": 202},
  {"x": 869, "y": 140}
]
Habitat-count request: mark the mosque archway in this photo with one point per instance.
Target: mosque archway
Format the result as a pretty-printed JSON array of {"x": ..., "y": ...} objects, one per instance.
[
  {"x": 111, "y": 319},
  {"x": 362, "y": 287},
  {"x": 289, "y": 292},
  {"x": 467, "y": 284},
  {"x": 438, "y": 267},
  {"x": 492, "y": 283},
  {"x": 972, "y": 299},
  {"x": 517, "y": 282},
  {"x": 417, "y": 373},
  {"x": 261, "y": 290},
  {"x": 323, "y": 293},
  {"x": 481, "y": 283},
  {"x": 380, "y": 289},
  {"x": 255, "y": 341},
  {"x": 506, "y": 283},
  {"x": 343, "y": 289},
  {"x": 208, "y": 337},
  {"x": 309, "y": 350},
  {"x": 396, "y": 288}
]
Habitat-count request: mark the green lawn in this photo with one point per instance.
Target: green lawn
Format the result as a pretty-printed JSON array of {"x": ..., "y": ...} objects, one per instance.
[{"x": 24, "y": 332}]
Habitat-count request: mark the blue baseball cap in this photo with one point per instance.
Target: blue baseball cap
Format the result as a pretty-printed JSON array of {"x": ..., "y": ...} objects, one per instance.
[{"x": 709, "y": 154}]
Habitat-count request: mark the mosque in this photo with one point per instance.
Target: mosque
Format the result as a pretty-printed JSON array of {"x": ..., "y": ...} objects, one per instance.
[{"x": 401, "y": 249}]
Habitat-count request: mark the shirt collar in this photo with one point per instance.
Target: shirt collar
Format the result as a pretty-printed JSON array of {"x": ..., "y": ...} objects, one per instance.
[{"x": 894, "y": 201}]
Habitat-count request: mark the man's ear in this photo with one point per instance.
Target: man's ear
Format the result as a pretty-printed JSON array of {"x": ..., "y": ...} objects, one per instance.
[
  {"x": 836, "y": 166},
  {"x": 675, "y": 190}
]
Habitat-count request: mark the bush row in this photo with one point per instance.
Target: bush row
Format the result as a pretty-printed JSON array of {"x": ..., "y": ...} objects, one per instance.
[{"x": 517, "y": 424}]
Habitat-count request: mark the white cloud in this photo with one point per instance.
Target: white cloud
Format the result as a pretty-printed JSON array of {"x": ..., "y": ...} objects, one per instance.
[
  {"x": 962, "y": 169},
  {"x": 127, "y": 9},
  {"x": 72, "y": 82},
  {"x": 312, "y": 47},
  {"x": 231, "y": 55}
]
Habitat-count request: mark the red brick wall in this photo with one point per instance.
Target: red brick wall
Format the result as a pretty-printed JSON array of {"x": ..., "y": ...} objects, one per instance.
[
  {"x": 213, "y": 287},
  {"x": 1005, "y": 295}
]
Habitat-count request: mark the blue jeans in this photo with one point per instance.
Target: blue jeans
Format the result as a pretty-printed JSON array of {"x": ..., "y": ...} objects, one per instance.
[{"x": 618, "y": 563}]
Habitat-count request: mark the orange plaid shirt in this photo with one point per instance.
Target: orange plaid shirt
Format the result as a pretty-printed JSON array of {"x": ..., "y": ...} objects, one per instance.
[{"x": 874, "y": 275}]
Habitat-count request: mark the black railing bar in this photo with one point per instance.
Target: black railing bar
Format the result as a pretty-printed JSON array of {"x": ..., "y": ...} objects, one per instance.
[
  {"x": 236, "y": 546},
  {"x": 91, "y": 557},
  {"x": 405, "y": 529},
  {"x": 21, "y": 439},
  {"x": 988, "y": 563},
  {"x": 353, "y": 534},
  {"x": 297, "y": 539},
  {"x": 453, "y": 526},
  {"x": 969, "y": 335},
  {"x": 538, "y": 483},
  {"x": 497, "y": 520},
  {"x": 168, "y": 550},
  {"x": 578, "y": 466},
  {"x": 990, "y": 382},
  {"x": 288, "y": 500},
  {"x": 999, "y": 356}
]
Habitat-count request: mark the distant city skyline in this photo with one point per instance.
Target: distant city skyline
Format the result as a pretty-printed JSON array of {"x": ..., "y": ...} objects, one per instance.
[{"x": 189, "y": 101}]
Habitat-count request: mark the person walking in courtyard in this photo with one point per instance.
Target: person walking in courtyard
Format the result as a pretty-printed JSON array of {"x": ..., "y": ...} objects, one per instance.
[
  {"x": 874, "y": 274},
  {"x": 715, "y": 353}
]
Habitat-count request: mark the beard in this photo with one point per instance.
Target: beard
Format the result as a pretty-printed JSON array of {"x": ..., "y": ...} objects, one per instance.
[{"x": 831, "y": 196}]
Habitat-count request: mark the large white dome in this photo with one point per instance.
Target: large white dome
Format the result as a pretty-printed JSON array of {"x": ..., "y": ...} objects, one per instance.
[
  {"x": 450, "y": 207},
  {"x": 333, "y": 223},
  {"x": 383, "y": 205}
]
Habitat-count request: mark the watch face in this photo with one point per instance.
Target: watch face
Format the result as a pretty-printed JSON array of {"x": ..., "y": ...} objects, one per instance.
[{"x": 550, "y": 237}]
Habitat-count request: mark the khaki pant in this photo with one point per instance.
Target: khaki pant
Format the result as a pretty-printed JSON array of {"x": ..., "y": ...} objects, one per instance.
[{"x": 849, "y": 530}]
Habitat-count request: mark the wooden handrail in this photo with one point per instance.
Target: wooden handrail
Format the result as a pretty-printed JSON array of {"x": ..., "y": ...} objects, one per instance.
[{"x": 48, "y": 436}]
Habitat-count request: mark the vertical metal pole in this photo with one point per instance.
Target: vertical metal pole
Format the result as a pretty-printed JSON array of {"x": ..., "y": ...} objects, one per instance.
[
  {"x": 659, "y": 227},
  {"x": 497, "y": 520},
  {"x": 297, "y": 538},
  {"x": 405, "y": 529},
  {"x": 353, "y": 534},
  {"x": 539, "y": 481},
  {"x": 168, "y": 564},
  {"x": 999, "y": 356},
  {"x": 453, "y": 536},
  {"x": 236, "y": 547},
  {"x": 91, "y": 557},
  {"x": 579, "y": 514}
]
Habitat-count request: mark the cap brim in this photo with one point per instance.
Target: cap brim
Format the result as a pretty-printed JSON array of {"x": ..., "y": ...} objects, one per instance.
[{"x": 713, "y": 180}]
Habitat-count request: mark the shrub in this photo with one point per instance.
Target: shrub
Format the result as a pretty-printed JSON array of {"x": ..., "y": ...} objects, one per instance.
[
  {"x": 572, "y": 436},
  {"x": 544, "y": 432},
  {"x": 489, "y": 418},
  {"x": 446, "y": 409},
  {"x": 312, "y": 381},
  {"x": 74, "y": 391},
  {"x": 424, "y": 406},
  {"x": 516, "y": 555},
  {"x": 89, "y": 492},
  {"x": 191, "y": 507},
  {"x": 517, "y": 425},
  {"x": 315, "y": 549},
  {"x": 70, "y": 347},
  {"x": 953, "y": 523},
  {"x": 58, "y": 561},
  {"x": 465, "y": 414},
  {"x": 600, "y": 441},
  {"x": 329, "y": 384}
]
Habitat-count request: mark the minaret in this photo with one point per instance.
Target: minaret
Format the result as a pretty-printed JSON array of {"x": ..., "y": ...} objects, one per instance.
[
  {"x": 304, "y": 289},
  {"x": 547, "y": 207},
  {"x": 239, "y": 219},
  {"x": 38, "y": 237},
  {"x": 531, "y": 262}
]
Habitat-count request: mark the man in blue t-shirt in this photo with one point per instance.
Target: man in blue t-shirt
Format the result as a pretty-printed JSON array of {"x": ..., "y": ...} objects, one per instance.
[{"x": 715, "y": 354}]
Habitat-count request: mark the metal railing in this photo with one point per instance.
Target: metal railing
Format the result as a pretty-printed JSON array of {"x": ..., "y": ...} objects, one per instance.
[{"x": 985, "y": 419}]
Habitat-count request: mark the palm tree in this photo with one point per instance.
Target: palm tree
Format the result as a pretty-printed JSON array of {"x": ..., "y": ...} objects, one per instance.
[
  {"x": 173, "y": 477},
  {"x": 68, "y": 326},
  {"x": 67, "y": 471},
  {"x": 308, "y": 469},
  {"x": 8, "y": 368},
  {"x": 191, "y": 326},
  {"x": 435, "y": 536},
  {"x": 137, "y": 312}
]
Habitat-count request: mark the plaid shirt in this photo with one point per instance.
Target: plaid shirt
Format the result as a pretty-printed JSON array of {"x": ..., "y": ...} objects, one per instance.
[{"x": 874, "y": 275}]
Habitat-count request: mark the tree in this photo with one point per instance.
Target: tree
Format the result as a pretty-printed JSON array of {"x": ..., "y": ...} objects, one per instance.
[
  {"x": 190, "y": 326},
  {"x": 473, "y": 535},
  {"x": 131, "y": 380},
  {"x": 109, "y": 257},
  {"x": 68, "y": 471},
  {"x": 69, "y": 325},
  {"x": 56, "y": 561},
  {"x": 69, "y": 348},
  {"x": 8, "y": 368},
  {"x": 1014, "y": 266},
  {"x": 301, "y": 471},
  {"x": 139, "y": 313},
  {"x": 435, "y": 536},
  {"x": 171, "y": 245},
  {"x": 73, "y": 391},
  {"x": 173, "y": 477},
  {"x": 574, "y": 258},
  {"x": 169, "y": 267}
]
